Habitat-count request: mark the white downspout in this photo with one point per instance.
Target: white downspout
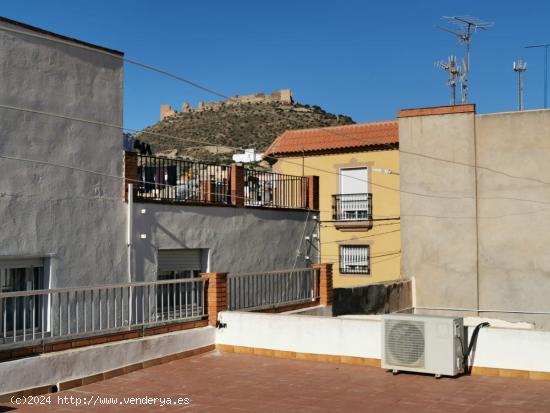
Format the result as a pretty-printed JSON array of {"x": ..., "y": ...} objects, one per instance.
[{"x": 130, "y": 229}]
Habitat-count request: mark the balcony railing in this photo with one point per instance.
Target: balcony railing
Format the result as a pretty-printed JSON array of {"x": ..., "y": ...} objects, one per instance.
[
  {"x": 35, "y": 316},
  {"x": 352, "y": 207},
  {"x": 272, "y": 289},
  {"x": 172, "y": 180},
  {"x": 268, "y": 189},
  {"x": 164, "y": 179}
]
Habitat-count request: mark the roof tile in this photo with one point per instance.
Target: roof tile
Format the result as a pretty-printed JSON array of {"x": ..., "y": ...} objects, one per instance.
[{"x": 334, "y": 138}]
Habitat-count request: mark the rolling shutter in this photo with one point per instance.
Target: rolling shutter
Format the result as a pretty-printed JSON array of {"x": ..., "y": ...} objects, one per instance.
[{"x": 179, "y": 260}]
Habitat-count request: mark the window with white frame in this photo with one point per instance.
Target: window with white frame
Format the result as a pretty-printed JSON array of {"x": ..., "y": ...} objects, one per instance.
[
  {"x": 354, "y": 259},
  {"x": 21, "y": 275}
]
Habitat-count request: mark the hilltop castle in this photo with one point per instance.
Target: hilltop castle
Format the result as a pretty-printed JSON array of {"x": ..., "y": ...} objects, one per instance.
[{"x": 282, "y": 96}]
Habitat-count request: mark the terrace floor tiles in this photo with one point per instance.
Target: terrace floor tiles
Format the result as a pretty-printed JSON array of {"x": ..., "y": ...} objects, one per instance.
[{"x": 238, "y": 382}]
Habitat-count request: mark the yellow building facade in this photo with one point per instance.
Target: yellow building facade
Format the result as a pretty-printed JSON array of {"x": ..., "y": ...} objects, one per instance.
[{"x": 358, "y": 169}]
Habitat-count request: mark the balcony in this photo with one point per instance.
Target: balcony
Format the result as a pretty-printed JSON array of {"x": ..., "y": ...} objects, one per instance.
[
  {"x": 164, "y": 180},
  {"x": 352, "y": 212}
]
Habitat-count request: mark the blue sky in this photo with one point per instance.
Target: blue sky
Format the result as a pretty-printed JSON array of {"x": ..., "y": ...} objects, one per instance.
[{"x": 366, "y": 59}]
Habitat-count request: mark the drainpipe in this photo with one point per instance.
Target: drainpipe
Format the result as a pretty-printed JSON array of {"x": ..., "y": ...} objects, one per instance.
[{"x": 130, "y": 229}]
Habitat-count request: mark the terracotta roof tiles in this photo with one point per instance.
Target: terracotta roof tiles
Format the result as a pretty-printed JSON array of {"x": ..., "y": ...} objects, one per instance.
[{"x": 334, "y": 138}]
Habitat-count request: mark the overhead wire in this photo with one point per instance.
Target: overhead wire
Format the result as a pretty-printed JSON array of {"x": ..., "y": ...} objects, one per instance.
[
  {"x": 209, "y": 90},
  {"x": 114, "y": 55},
  {"x": 194, "y": 84}
]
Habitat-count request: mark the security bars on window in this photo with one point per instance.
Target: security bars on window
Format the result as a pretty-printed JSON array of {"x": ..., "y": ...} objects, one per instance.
[{"x": 354, "y": 259}]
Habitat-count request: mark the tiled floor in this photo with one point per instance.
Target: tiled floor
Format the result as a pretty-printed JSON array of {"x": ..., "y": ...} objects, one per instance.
[{"x": 227, "y": 382}]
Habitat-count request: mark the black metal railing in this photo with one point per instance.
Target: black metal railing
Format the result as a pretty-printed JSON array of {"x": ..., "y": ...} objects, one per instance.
[
  {"x": 352, "y": 207},
  {"x": 179, "y": 180},
  {"x": 269, "y": 189}
]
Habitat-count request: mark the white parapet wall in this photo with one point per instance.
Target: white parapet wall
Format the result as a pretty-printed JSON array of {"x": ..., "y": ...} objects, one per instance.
[
  {"x": 515, "y": 349},
  {"x": 49, "y": 369},
  {"x": 303, "y": 334},
  {"x": 497, "y": 347}
]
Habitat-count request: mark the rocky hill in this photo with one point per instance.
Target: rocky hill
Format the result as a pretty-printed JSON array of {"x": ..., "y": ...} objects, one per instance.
[{"x": 252, "y": 123}]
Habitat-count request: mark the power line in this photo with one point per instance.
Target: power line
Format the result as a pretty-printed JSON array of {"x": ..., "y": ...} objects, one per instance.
[
  {"x": 209, "y": 90},
  {"x": 363, "y": 237},
  {"x": 116, "y": 56},
  {"x": 382, "y": 254},
  {"x": 285, "y": 161},
  {"x": 392, "y": 147}
]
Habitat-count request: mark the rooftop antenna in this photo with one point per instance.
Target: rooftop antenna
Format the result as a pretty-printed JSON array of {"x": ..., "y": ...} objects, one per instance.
[
  {"x": 519, "y": 67},
  {"x": 454, "y": 72},
  {"x": 467, "y": 26},
  {"x": 545, "y": 70}
]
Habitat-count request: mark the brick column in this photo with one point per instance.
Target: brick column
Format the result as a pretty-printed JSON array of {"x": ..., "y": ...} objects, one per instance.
[
  {"x": 207, "y": 191},
  {"x": 313, "y": 192},
  {"x": 216, "y": 294},
  {"x": 325, "y": 283},
  {"x": 237, "y": 185},
  {"x": 130, "y": 172}
]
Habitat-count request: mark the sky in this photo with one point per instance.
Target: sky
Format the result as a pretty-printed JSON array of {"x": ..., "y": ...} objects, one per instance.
[{"x": 364, "y": 59}]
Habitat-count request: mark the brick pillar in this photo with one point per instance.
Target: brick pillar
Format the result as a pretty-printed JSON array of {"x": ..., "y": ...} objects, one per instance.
[
  {"x": 237, "y": 185},
  {"x": 216, "y": 294},
  {"x": 207, "y": 191},
  {"x": 325, "y": 283},
  {"x": 130, "y": 172},
  {"x": 313, "y": 192}
]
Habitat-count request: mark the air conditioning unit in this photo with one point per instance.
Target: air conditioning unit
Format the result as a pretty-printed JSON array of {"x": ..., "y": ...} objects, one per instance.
[{"x": 424, "y": 344}]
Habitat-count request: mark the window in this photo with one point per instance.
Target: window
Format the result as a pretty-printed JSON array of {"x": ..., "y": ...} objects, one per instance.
[
  {"x": 354, "y": 259},
  {"x": 353, "y": 203},
  {"x": 180, "y": 263},
  {"x": 176, "y": 298},
  {"x": 21, "y": 275}
]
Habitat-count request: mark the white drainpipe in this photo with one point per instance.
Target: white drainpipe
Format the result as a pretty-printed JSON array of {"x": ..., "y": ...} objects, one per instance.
[{"x": 130, "y": 228}]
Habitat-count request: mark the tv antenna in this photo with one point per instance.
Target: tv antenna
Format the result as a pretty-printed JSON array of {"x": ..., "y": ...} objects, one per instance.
[
  {"x": 451, "y": 67},
  {"x": 519, "y": 67},
  {"x": 467, "y": 26}
]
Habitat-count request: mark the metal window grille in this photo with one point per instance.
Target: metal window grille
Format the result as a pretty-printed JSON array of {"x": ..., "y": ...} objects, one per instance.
[{"x": 355, "y": 259}]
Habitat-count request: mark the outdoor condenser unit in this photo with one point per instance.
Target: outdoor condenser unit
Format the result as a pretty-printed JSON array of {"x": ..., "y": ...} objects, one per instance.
[{"x": 424, "y": 344}]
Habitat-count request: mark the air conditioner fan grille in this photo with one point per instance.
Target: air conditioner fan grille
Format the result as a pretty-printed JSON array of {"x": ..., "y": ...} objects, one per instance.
[{"x": 404, "y": 343}]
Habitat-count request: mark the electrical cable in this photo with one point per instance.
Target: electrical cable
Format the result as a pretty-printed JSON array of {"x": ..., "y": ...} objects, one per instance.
[
  {"x": 473, "y": 341},
  {"x": 116, "y": 56},
  {"x": 211, "y": 91}
]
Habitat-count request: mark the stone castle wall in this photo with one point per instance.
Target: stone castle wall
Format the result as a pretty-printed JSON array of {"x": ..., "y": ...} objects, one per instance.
[{"x": 282, "y": 96}]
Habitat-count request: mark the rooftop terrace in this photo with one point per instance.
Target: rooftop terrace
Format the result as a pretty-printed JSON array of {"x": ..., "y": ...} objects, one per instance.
[{"x": 229, "y": 382}]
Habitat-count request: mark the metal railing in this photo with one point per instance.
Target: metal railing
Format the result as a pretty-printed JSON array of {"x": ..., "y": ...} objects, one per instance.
[
  {"x": 37, "y": 316},
  {"x": 352, "y": 207},
  {"x": 272, "y": 289},
  {"x": 269, "y": 189},
  {"x": 174, "y": 180},
  {"x": 164, "y": 179}
]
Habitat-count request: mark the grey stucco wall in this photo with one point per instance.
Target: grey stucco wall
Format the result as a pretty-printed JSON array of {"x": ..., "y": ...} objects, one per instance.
[
  {"x": 510, "y": 261},
  {"x": 438, "y": 230},
  {"x": 76, "y": 218},
  {"x": 238, "y": 239},
  {"x": 514, "y": 212}
]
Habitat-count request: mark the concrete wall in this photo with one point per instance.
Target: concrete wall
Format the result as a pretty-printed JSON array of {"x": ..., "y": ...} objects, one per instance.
[
  {"x": 74, "y": 217},
  {"x": 438, "y": 208},
  {"x": 500, "y": 348},
  {"x": 514, "y": 212},
  {"x": 52, "y": 368},
  {"x": 238, "y": 239},
  {"x": 301, "y": 333},
  {"x": 380, "y": 298},
  {"x": 464, "y": 227}
]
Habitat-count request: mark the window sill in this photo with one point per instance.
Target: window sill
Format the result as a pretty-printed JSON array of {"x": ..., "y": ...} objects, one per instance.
[{"x": 353, "y": 225}]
